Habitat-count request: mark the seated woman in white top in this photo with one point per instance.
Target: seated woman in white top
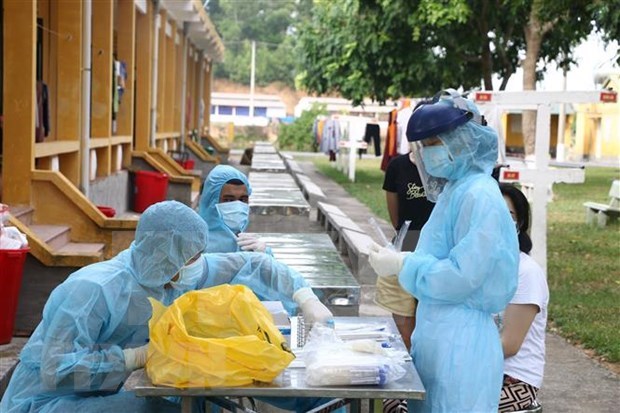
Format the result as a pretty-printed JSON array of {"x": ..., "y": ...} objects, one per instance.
[{"x": 524, "y": 321}]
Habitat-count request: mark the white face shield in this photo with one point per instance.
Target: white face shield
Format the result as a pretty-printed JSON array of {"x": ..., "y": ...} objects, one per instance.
[{"x": 432, "y": 184}]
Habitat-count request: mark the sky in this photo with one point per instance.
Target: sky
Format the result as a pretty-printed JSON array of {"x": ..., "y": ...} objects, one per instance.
[{"x": 591, "y": 56}]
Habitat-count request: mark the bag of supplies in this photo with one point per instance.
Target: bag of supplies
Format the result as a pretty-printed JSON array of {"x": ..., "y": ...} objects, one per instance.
[{"x": 217, "y": 337}]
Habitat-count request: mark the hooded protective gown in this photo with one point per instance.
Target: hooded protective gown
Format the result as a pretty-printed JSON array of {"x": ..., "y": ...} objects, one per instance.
[
  {"x": 221, "y": 238},
  {"x": 464, "y": 269},
  {"x": 76, "y": 351}
]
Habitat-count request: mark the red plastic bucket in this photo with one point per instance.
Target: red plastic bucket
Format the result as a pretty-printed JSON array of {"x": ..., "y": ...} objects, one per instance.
[
  {"x": 149, "y": 188},
  {"x": 107, "y": 211},
  {"x": 11, "y": 271},
  {"x": 189, "y": 164}
]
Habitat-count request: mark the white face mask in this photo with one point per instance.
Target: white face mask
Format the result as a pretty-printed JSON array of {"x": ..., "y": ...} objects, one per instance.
[
  {"x": 189, "y": 275},
  {"x": 235, "y": 215}
]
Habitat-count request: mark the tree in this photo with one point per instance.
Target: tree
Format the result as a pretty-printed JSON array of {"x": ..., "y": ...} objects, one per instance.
[
  {"x": 391, "y": 48},
  {"x": 269, "y": 24},
  {"x": 361, "y": 52},
  {"x": 552, "y": 31}
]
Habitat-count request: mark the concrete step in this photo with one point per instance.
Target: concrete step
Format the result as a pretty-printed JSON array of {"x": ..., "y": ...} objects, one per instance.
[
  {"x": 81, "y": 249},
  {"x": 22, "y": 212},
  {"x": 56, "y": 236}
]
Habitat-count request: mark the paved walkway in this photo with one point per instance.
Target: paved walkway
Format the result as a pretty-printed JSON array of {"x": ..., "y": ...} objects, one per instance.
[{"x": 573, "y": 381}]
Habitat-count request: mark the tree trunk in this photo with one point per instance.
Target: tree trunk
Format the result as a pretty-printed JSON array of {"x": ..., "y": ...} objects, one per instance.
[
  {"x": 533, "y": 40},
  {"x": 487, "y": 62}
]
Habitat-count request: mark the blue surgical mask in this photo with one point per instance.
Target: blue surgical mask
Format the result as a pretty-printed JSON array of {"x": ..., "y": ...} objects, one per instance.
[
  {"x": 437, "y": 161},
  {"x": 189, "y": 275},
  {"x": 235, "y": 215}
]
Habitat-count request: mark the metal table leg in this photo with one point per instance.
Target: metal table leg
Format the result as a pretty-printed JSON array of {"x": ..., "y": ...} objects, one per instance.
[{"x": 186, "y": 404}]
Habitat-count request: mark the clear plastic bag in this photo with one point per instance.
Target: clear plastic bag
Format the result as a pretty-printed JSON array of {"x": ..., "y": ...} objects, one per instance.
[
  {"x": 10, "y": 237},
  {"x": 333, "y": 362}
]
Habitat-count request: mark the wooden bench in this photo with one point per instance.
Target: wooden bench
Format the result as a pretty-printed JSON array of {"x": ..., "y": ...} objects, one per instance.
[
  {"x": 293, "y": 166},
  {"x": 336, "y": 224},
  {"x": 323, "y": 209},
  {"x": 600, "y": 213},
  {"x": 311, "y": 191},
  {"x": 356, "y": 247}
]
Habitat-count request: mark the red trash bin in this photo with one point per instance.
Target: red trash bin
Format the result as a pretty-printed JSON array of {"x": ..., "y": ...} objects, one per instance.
[
  {"x": 107, "y": 211},
  {"x": 149, "y": 188},
  {"x": 189, "y": 164},
  {"x": 11, "y": 270}
]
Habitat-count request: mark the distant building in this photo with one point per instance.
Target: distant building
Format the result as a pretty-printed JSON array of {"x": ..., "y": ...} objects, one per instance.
[
  {"x": 243, "y": 109},
  {"x": 339, "y": 106}
]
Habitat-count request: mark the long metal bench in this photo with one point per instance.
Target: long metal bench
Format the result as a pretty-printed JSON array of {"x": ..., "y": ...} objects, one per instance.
[{"x": 277, "y": 204}]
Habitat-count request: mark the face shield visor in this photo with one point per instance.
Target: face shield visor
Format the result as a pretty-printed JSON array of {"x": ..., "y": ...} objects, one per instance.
[
  {"x": 433, "y": 185},
  {"x": 436, "y": 120}
]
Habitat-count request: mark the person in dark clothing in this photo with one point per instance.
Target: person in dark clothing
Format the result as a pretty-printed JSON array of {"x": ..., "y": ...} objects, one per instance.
[{"x": 373, "y": 133}]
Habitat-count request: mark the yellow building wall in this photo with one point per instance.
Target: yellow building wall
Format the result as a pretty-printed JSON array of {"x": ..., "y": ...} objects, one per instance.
[
  {"x": 513, "y": 132},
  {"x": 596, "y": 134}
]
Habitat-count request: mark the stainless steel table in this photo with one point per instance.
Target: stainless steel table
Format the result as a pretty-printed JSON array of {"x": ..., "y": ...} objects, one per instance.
[
  {"x": 277, "y": 203},
  {"x": 315, "y": 257},
  {"x": 267, "y": 162},
  {"x": 291, "y": 383},
  {"x": 264, "y": 147},
  {"x": 272, "y": 180}
]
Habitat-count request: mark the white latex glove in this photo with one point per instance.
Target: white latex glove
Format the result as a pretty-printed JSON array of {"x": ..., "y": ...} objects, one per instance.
[
  {"x": 313, "y": 310},
  {"x": 250, "y": 242},
  {"x": 385, "y": 261},
  {"x": 135, "y": 358}
]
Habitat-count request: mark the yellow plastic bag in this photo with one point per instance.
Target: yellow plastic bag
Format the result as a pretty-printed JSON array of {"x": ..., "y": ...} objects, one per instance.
[{"x": 216, "y": 337}]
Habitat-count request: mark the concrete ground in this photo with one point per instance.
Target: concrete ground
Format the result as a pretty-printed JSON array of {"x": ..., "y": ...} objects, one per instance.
[{"x": 573, "y": 381}]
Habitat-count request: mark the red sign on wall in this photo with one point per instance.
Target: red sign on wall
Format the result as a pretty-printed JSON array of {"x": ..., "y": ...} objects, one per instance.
[
  {"x": 511, "y": 176},
  {"x": 483, "y": 96},
  {"x": 609, "y": 97}
]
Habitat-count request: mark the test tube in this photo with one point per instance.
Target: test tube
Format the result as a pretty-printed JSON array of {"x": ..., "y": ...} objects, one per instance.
[
  {"x": 400, "y": 237},
  {"x": 375, "y": 226}
]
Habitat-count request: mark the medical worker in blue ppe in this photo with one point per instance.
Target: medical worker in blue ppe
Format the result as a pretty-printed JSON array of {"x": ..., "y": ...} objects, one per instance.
[
  {"x": 465, "y": 265},
  {"x": 94, "y": 330},
  {"x": 224, "y": 206}
]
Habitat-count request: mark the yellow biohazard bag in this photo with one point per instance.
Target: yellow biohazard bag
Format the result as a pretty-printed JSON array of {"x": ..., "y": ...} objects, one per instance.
[{"x": 216, "y": 337}]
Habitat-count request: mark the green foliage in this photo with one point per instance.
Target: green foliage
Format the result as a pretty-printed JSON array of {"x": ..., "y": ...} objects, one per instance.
[
  {"x": 583, "y": 261},
  {"x": 298, "y": 136},
  {"x": 270, "y": 24},
  {"x": 386, "y": 49}
]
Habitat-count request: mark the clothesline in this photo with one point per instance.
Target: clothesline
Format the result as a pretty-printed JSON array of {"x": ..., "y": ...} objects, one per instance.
[{"x": 68, "y": 36}]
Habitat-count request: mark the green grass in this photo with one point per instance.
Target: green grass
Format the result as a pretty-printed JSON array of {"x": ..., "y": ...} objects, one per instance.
[
  {"x": 583, "y": 261},
  {"x": 584, "y": 267},
  {"x": 367, "y": 185}
]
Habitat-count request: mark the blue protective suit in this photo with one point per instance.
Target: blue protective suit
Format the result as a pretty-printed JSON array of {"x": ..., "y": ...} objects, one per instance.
[
  {"x": 76, "y": 350},
  {"x": 221, "y": 238},
  {"x": 269, "y": 279},
  {"x": 464, "y": 269}
]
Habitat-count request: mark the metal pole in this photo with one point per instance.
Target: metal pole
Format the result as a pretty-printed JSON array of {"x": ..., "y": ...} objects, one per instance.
[
  {"x": 157, "y": 24},
  {"x": 252, "y": 75},
  {"x": 560, "y": 155},
  {"x": 86, "y": 95},
  {"x": 200, "y": 94},
  {"x": 184, "y": 89}
]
